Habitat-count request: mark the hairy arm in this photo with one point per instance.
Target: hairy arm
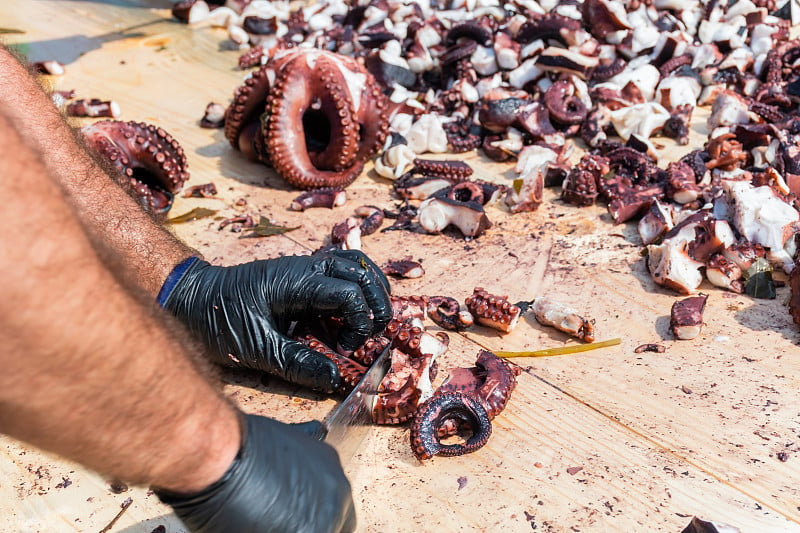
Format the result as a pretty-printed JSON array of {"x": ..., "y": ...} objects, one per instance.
[
  {"x": 88, "y": 371},
  {"x": 144, "y": 249}
]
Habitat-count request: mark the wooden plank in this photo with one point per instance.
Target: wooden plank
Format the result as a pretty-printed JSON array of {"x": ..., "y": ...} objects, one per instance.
[
  {"x": 651, "y": 454},
  {"x": 725, "y": 401}
]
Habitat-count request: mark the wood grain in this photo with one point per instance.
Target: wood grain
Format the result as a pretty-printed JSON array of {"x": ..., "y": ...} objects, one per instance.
[{"x": 605, "y": 440}]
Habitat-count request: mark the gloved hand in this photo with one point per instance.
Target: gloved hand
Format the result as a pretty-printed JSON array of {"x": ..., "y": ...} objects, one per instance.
[
  {"x": 282, "y": 480},
  {"x": 243, "y": 312}
]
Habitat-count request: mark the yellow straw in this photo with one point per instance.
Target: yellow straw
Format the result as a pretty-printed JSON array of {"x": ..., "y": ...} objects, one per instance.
[{"x": 562, "y": 350}]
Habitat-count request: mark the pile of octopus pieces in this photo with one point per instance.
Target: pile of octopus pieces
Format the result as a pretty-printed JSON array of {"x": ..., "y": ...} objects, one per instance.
[
  {"x": 470, "y": 397},
  {"x": 464, "y": 403},
  {"x": 449, "y": 199},
  {"x": 523, "y": 80}
]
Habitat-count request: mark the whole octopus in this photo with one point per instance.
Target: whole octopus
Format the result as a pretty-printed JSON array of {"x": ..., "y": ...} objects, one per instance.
[
  {"x": 465, "y": 403},
  {"x": 315, "y": 116}
]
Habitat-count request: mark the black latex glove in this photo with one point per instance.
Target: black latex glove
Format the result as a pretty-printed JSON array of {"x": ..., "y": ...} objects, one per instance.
[
  {"x": 243, "y": 312},
  {"x": 282, "y": 480}
]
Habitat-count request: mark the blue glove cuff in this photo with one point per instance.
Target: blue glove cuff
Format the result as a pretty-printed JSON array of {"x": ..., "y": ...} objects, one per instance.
[{"x": 173, "y": 279}]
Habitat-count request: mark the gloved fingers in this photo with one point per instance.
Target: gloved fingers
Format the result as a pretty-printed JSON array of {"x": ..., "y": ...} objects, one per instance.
[
  {"x": 345, "y": 300},
  {"x": 304, "y": 366},
  {"x": 374, "y": 291},
  {"x": 312, "y": 428},
  {"x": 357, "y": 256}
]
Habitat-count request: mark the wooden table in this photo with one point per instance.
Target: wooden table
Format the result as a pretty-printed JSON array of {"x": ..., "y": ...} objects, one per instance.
[{"x": 608, "y": 440}]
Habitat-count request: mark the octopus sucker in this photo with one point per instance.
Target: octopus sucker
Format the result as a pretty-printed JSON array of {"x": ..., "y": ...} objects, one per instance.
[
  {"x": 466, "y": 410},
  {"x": 146, "y": 157}
]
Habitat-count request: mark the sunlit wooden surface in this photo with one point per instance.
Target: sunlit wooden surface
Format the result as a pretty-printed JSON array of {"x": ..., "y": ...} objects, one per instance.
[{"x": 609, "y": 440}]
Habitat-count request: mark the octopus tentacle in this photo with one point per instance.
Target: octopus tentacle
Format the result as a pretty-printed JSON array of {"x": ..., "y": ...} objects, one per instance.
[
  {"x": 492, "y": 380},
  {"x": 492, "y": 310},
  {"x": 446, "y": 312},
  {"x": 433, "y": 413},
  {"x": 148, "y": 157},
  {"x": 288, "y": 149},
  {"x": 247, "y": 104},
  {"x": 448, "y": 169},
  {"x": 332, "y": 100},
  {"x": 350, "y": 370},
  {"x": 374, "y": 119},
  {"x": 371, "y": 350}
]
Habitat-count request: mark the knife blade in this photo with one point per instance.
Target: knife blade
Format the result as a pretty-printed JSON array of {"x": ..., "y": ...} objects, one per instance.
[{"x": 348, "y": 424}]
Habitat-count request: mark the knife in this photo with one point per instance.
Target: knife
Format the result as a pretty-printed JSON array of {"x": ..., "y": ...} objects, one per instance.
[{"x": 348, "y": 424}]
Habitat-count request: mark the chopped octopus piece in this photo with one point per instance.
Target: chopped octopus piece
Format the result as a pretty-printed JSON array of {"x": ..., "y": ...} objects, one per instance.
[
  {"x": 403, "y": 268},
  {"x": 656, "y": 222},
  {"x": 402, "y": 388},
  {"x": 724, "y": 273},
  {"x": 347, "y": 234},
  {"x": 762, "y": 217},
  {"x": 549, "y": 312},
  {"x": 686, "y": 317},
  {"x": 93, "y": 108},
  {"x": 493, "y": 311},
  {"x": 438, "y": 212},
  {"x": 214, "y": 116},
  {"x": 671, "y": 265},
  {"x": 447, "y": 313},
  {"x": 328, "y": 197}
]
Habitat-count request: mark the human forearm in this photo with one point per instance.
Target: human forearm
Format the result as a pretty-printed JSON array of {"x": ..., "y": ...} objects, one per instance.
[
  {"x": 88, "y": 372},
  {"x": 145, "y": 249}
]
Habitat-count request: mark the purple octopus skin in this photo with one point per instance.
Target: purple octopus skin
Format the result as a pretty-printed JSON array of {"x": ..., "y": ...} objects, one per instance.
[
  {"x": 328, "y": 197},
  {"x": 433, "y": 413}
]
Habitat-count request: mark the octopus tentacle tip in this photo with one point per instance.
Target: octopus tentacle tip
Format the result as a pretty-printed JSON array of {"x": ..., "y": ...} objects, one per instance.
[{"x": 441, "y": 409}]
